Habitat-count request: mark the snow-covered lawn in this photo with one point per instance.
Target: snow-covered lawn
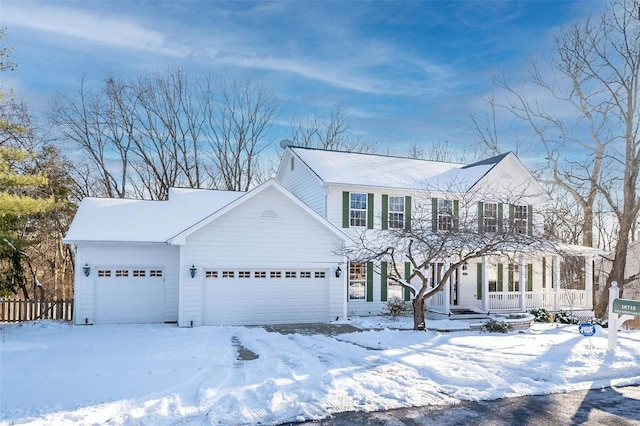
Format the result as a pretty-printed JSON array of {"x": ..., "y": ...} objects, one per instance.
[{"x": 55, "y": 373}]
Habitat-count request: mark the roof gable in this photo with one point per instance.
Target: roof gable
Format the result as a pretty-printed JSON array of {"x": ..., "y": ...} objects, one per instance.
[
  {"x": 180, "y": 238},
  {"x": 108, "y": 219}
]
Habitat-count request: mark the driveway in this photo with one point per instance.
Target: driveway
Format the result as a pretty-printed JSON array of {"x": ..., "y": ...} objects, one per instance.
[{"x": 608, "y": 406}]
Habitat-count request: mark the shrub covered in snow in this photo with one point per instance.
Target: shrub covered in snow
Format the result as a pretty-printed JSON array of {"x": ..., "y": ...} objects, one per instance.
[
  {"x": 541, "y": 315},
  {"x": 396, "y": 308},
  {"x": 494, "y": 326}
]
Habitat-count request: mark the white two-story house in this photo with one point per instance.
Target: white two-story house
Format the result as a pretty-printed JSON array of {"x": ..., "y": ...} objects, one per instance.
[
  {"x": 360, "y": 192},
  {"x": 275, "y": 253}
]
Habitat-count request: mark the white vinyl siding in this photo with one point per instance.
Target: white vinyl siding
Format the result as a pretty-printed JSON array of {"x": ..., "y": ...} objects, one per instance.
[
  {"x": 157, "y": 260},
  {"x": 238, "y": 241},
  {"x": 304, "y": 184}
]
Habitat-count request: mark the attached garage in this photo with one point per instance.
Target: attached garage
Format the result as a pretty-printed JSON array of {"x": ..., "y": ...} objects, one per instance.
[
  {"x": 129, "y": 295},
  {"x": 221, "y": 258},
  {"x": 265, "y": 296}
]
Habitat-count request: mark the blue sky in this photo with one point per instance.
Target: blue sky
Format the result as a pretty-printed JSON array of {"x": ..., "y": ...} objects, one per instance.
[{"x": 403, "y": 72}]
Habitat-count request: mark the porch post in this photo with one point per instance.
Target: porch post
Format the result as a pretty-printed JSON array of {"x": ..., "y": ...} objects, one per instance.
[
  {"x": 556, "y": 282},
  {"x": 588, "y": 278},
  {"x": 446, "y": 289},
  {"x": 485, "y": 285},
  {"x": 523, "y": 285}
]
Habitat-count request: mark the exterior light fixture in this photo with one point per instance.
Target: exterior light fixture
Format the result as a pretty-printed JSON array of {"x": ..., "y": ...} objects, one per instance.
[
  {"x": 192, "y": 271},
  {"x": 338, "y": 271},
  {"x": 86, "y": 269}
]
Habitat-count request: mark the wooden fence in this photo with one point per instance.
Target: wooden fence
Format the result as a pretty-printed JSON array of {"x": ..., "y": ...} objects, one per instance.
[{"x": 31, "y": 310}]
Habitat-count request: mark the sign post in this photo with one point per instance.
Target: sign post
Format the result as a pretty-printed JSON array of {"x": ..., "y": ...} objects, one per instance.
[{"x": 620, "y": 310}]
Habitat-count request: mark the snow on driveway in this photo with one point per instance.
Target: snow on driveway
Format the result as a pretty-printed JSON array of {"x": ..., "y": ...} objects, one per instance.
[{"x": 56, "y": 373}]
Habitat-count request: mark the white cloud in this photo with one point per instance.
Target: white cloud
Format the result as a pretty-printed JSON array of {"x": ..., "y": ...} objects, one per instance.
[{"x": 92, "y": 27}]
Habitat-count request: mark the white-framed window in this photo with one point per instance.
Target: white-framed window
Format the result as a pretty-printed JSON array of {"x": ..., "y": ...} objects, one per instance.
[
  {"x": 490, "y": 217},
  {"x": 260, "y": 274},
  {"x": 357, "y": 280},
  {"x": 305, "y": 274},
  {"x": 358, "y": 209},
  {"x": 445, "y": 215},
  {"x": 104, "y": 273},
  {"x": 514, "y": 277},
  {"x": 121, "y": 273},
  {"x": 228, "y": 274},
  {"x": 275, "y": 274},
  {"x": 396, "y": 212},
  {"x": 319, "y": 274},
  {"x": 211, "y": 274},
  {"x": 394, "y": 288},
  {"x": 155, "y": 273},
  {"x": 139, "y": 273},
  {"x": 520, "y": 219},
  {"x": 244, "y": 274}
]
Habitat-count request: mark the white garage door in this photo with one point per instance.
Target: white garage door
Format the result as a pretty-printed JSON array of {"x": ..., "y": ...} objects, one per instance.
[
  {"x": 249, "y": 296},
  {"x": 129, "y": 296}
]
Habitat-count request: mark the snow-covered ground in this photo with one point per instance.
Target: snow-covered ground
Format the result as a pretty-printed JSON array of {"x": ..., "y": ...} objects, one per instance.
[{"x": 55, "y": 373}]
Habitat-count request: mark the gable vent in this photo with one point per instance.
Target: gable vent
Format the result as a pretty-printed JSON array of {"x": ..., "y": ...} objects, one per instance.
[{"x": 269, "y": 214}]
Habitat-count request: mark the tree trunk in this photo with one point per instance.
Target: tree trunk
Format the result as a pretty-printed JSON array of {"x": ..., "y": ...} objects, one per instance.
[{"x": 418, "y": 313}]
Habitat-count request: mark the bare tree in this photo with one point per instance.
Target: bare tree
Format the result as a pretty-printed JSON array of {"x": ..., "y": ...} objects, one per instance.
[
  {"x": 589, "y": 128},
  {"x": 236, "y": 128},
  {"x": 139, "y": 138},
  {"x": 454, "y": 238},
  {"x": 332, "y": 131},
  {"x": 442, "y": 151}
]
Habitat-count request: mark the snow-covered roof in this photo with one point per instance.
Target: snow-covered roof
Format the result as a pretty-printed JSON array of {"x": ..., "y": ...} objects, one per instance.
[
  {"x": 391, "y": 172},
  {"x": 108, "y": 219}
]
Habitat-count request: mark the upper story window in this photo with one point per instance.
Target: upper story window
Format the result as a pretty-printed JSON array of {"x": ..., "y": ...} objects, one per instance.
[
  {"x": 520, "y": 219},
  {"x": 396, "y": 212},
  {"x": 358, "y": 209},
  {"x": 445, "y": 215},
  {"x": 490, "y": 217}
]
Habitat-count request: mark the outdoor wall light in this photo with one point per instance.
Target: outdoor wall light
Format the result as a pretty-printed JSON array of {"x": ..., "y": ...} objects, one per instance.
[
  {"x": 192, "y": 271},
  {"x": 338, "y": 272},
  {"x": 86, "y": 269}
]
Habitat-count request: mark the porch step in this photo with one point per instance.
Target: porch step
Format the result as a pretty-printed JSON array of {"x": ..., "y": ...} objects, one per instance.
[{"x": 467, "y": 314}]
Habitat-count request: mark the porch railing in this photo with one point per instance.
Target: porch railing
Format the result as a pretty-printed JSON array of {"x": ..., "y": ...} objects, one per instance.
[{"x": 510, "y": 300}]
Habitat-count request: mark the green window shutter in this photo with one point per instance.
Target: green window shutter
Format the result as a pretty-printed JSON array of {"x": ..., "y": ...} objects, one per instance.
[
  {"x": 512, "y": 214},
  {"x": 369, "y": 281},
  {"x": 530, "y": 220},
  {"x": 384, "y": 281},
  {"x": 407, "y": 274},
  {"x": 369, "y": 211},
  {"x": 434, "y": 214},
  {"x": 480, "y": 216},
  {"x": 529, "y": 277},
  {"x": 346, "y": 201},
  {"x": 479, "y": 275},
  {"x": 385, "y": 212},
  {"x": 407, "y": 212},
  {"x": 456, "y": 210},
  {"x": 500, "y": 284},
  {"x": 510, "y": 277},
  {"x": 500, "y": 217}
]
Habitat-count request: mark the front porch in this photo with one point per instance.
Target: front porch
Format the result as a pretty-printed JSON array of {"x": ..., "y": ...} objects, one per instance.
[
  {"x": 500, "y": 285},
  {"x": 520, "y": 301}
]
